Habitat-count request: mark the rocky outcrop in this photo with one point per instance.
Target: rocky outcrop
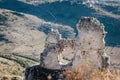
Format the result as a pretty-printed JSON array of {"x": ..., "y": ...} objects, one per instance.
[
  {"x": 90, "y": 44},
  {"x": 67, "y": 54},
  {"x": 56, "y": 51}
]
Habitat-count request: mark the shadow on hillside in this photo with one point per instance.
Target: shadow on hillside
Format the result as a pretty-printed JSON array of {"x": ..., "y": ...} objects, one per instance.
[
  {"x": 67, "y": 14},
  {"x": 2, "y": 38}
]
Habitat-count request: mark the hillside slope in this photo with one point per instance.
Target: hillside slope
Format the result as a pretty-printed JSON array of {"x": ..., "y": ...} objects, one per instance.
[
  {"x": 23, "y": 30},
  {"x": 22, "y": 38}
]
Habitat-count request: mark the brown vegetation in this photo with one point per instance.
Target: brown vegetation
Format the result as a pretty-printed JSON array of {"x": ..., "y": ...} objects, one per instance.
[{"x": 93, "y": 74}]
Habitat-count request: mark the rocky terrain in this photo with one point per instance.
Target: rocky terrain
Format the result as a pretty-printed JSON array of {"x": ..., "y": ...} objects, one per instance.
[
  {"x": 62, "y": 55},
  {"x": 23, "y": 30}
]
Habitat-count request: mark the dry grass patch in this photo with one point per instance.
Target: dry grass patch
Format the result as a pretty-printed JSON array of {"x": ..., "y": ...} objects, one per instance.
[
  {"x": 84, "y": 72},
  {"x": 8, "y": 77}
]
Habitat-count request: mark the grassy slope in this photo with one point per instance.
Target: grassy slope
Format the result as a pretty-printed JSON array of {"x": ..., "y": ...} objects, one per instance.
[
  {"x": 18, "y": 35},
  {"x": 21, "y": 35}
]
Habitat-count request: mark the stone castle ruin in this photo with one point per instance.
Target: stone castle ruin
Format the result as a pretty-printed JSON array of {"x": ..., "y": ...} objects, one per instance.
[{"x": 67, "y": 54}]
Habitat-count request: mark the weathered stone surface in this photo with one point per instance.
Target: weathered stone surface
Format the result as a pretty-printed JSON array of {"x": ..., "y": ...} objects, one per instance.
[
  {"x": 67, "y": 54},
  {"x": 90, "y": 44},
  {"x": 57, "y": 49}
]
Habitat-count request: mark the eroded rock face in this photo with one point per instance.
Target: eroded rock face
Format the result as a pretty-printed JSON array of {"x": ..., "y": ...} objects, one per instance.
[
  {"x": 90, "y": 44},
  {"x": 66, "y": 54},
  {"x": 57, "y": 49}
]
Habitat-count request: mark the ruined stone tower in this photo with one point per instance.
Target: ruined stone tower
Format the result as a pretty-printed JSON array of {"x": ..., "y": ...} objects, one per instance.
[
  {"x": 90, "y": 44},
  {"x": 67, "y": 54},
  {"x": 57, "y": 49}
]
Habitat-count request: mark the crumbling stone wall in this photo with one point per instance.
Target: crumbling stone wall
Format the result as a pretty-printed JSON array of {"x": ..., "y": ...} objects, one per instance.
[
  {"x": 68, "y": 54},
  {"x": 91, "y": 44}
]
